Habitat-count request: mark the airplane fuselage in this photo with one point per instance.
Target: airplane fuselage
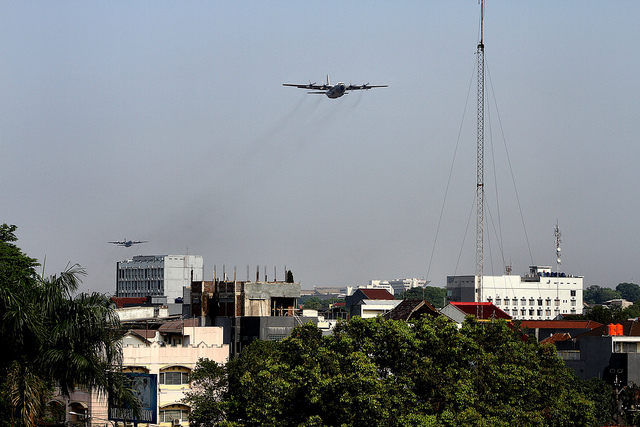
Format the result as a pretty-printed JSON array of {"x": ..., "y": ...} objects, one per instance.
[{"x": 337, "y": 91}]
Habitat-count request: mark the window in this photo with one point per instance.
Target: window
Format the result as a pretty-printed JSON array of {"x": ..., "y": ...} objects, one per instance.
[
  {"x": 531, "y": 301},
  {"x": 174, "y": 378},
  {"x": 573, "y": 293},
  {"x": 626, "y": 347},
  {"x": 547, "y": 312},
  {"x": 539, "y": 312},
  {"x": 506, "y": 301},
  {"x": 548, "y": 302},
  {"x": 557, "y": 302},
  {"x": 539, "y": 301},
  {"x": 168, "y": 415},
  {"x": 573, "y": 302},
  {"x": 515, "y": 301},
  {"x": 498, "y": 301}
]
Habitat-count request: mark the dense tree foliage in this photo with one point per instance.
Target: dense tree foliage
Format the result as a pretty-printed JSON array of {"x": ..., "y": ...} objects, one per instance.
[
  {"x": 607, "y": 314},
  {"x": 51, "y": 336},
  {"x": 390, "y": 373},
  {"x": 629, "y": 291},
  {"x": 313, "y": 303},
  {"x": 433, "y": 294},
  {"x": 595, "y": 294}
]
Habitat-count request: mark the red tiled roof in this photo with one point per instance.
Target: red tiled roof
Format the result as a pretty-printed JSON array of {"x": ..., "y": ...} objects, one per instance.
[
  {"x": 487, "y": 310},
  {"x": 377, "y": 294},
  {"x": 557, "y": 337},
  {"x": 560, "y": 324}
]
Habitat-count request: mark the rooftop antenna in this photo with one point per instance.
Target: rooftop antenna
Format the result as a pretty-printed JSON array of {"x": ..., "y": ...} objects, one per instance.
[
  {"x": 558, "y": 236},
  {"x": 480, "y": 161}
]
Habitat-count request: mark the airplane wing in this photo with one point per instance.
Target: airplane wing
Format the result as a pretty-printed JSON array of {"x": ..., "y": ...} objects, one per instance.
[
  {"x": 140, "y": 241},
  {"x": 364, "y": 86},
  {"x": 117, "y": 243},
  {"x": 311, "y": 86}
]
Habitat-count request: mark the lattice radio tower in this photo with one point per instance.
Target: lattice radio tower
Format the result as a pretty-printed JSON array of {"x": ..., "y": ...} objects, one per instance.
[{"x": 480, "y": 162}]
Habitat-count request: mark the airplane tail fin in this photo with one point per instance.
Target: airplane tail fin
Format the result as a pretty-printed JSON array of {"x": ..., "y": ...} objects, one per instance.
[{"x": 328, "y": 83}]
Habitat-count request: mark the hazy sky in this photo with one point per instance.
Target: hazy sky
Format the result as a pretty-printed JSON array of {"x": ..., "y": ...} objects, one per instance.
[{"x": 167, "y": 121}]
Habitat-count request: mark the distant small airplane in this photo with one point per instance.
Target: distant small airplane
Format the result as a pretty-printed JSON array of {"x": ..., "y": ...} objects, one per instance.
[
  {"x": 333, "y": 91},
  {"x": 128, "y": 243}
]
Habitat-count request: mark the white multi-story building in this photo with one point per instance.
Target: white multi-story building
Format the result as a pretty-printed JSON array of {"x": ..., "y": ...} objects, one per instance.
[
  {"x": 397, "y": 286},
  {"x": 540, "y": 295},
  {"x": 149, "y": 275}
]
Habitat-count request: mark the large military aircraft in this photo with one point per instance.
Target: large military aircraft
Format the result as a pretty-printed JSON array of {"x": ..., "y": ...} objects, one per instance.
[
  {"x": 128, "y": 243},
  {"x": 332, "y": 91}
]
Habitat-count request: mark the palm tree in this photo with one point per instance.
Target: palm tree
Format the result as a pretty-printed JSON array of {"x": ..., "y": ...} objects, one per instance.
[{"x": 56, "y": 338}]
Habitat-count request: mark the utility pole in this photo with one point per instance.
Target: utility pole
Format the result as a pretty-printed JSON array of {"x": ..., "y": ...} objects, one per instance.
[{"x": 480, "y": 162}]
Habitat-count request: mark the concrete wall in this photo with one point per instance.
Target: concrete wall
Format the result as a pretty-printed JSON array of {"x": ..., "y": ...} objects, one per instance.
[
  {"x": 179, "y": 272},
  {"x": 135, "y": 313},
  {"x": 461, "y": 288},
  {"x": 265, "y": 290}
]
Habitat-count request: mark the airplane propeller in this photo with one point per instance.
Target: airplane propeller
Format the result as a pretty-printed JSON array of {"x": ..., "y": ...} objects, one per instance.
[{"x": 311, "y": 84}]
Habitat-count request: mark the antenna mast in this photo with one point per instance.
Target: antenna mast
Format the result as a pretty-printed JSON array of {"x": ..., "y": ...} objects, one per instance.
[
  {"x": 558, "y": 236},
  {"x": 480, "y": 161}
]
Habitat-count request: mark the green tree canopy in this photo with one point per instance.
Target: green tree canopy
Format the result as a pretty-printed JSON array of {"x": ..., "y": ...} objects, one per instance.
[
  {"x": 629, "y": 291},
  {"x": 390, "y": 373},
  {"x": 313, "y": 303},
  {"x": 433, "y": 294},
  {"x": 595, "y": 294},
  {"x": 53, "y": 336}
]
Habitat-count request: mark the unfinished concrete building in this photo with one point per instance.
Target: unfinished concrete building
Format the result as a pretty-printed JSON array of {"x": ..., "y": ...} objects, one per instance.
[{"x": 248, "y": 310}]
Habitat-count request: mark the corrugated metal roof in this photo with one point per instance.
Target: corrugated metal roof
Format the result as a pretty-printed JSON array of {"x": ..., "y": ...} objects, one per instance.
[{"x": 178, "y": 325}]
